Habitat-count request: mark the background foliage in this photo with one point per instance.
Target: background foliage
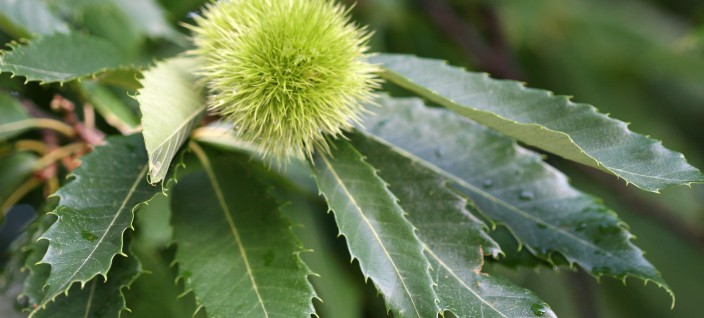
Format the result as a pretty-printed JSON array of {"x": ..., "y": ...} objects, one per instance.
[{"x": 640, "y": 61}]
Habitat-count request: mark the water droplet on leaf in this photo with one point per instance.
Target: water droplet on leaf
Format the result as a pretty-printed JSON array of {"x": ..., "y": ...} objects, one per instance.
[
  {"x": 526, "y": 195},
  {"x": 538, "y": 309}
]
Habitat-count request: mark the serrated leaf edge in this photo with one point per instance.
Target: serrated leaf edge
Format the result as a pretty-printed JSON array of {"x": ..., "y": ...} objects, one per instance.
[
  {"x": 434, "y": 96},
  {"x": 496, "y": 249},
  {"x": 18, "y": 43},
  {"x": 65, "y": 289},
  {"x": 462, "y": 282},
  {"x": 213, "y": 180},
  {"x": 571, "y": 262},
  {"x": 155, "y": 158},
  {"x": 233, "y": 229},
  {"x": 156, "y": 162},
  {"x": 436, "y": 299}
]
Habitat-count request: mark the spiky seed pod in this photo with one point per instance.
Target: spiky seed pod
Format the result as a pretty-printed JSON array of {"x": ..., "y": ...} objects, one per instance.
[{"x": 287, "y": 73}]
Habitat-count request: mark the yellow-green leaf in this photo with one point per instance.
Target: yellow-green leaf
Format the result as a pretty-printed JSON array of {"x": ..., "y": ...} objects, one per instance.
[{"x": 171, "y": 106}]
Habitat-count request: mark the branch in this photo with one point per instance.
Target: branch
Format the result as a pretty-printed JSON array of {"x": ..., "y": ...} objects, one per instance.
[
  {"x": 582, "y": 287},
  {"x": 87, "y": 133},
  {"x": 18, "y": 194},
  {"x": 494, "y": 58}
]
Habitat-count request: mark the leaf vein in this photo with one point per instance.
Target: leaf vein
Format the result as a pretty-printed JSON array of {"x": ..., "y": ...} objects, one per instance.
[
  {"x": 233, "y": 229},
  {"x": 356, "y": 206},
  {"x": 131, "y": 192}
]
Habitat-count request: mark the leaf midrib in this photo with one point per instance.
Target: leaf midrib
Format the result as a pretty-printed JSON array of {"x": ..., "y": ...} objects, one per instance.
[
  {"x": 68, "y": 281},
  {"x": 187, "y": 121},
  {"x": 376, "y": 235},
  {"x": 233, "y": 229},
  {"x": 131, "y": 192},
  {"x": 646, "y": 176},
  {"x": 456, "y": 277},
  {"x": 485, "y": 194},
  {"x": 409, "y": 83},
  {"x": 43, "y": 71}
]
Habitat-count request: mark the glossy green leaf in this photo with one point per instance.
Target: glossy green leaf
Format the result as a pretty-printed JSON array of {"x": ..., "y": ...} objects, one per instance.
[
  {"x": 12, "y": 117},
  {"x": 455, "y": 240},
  {"x": 513, "y": 186},
  {"x": 98, "y": 298},
  {"x": 114, "y": 111},
  {"x": 539, "y": 118},
  {"x": 95, "y": 209},
  {"x": 378, "y": 234},
  {"x": 234, "y": 250},
  {"x": 59, "y": 58},
  {"x": 24, "y": 18},
  {"x": 15, "y": 168},
  {"x": 171, "y": 107}
]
